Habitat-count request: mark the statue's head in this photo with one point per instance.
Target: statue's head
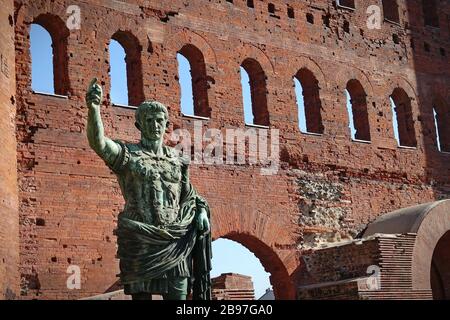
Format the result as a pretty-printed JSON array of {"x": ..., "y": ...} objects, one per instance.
[{"x": 152, "y": 119}]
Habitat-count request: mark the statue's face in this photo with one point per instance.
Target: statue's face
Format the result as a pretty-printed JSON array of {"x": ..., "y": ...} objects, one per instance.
[{"x": 153, "y": 125}]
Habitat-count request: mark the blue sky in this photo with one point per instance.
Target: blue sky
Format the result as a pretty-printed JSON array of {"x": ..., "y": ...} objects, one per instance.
[{"x": 41, "y": 51}]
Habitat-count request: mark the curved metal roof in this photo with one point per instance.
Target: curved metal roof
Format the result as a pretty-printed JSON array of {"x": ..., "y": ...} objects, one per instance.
[{"x": 406, "y": 220}]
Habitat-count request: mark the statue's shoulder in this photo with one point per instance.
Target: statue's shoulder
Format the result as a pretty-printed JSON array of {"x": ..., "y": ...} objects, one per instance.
[
  {"x": 133, "y": 147},
  {"x": 126, "y": 153},
  {"x": 128, "y": 146},
  {"x": 176, "y": 155}
]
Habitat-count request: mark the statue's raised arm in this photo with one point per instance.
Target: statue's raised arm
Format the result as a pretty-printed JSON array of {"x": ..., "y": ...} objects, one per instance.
[
  {"x": 163, "y": 232},
  {"x": 107, "y": 149}
]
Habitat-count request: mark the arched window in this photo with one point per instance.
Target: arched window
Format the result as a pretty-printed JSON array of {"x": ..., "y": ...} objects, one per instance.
[
  {"x": 430, "y": 13},
  {"x": 402, "y": 118},
  {"x": 357, "y": 110},
  {"x": 390, "y": 10},
  {"x": 126, "y": 69},
  {"x": 118, "y": 74},
  {"x": 193, "y": 82},
  {"x": 49, "y": 61},
  {"x": 441, "y": 113},
  {"x": 347, "y": 3},
  {"x": 308, "y": 101},
  {"x": 253, "y": 80}
]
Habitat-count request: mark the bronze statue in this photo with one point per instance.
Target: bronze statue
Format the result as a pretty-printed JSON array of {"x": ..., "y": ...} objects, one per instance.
[{"x": 163, "y": 233}]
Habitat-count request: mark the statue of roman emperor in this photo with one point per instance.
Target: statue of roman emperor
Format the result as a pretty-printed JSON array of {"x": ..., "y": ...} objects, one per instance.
[{"x": 163, "y": 233}]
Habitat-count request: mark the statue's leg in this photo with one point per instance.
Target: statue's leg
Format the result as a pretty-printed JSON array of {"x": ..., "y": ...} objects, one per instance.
[
  {"x": 177, "y": 289},
  {"x": 141, "y": 296}
]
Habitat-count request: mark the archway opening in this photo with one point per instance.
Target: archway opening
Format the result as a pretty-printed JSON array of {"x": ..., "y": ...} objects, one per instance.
[
  {"x": 126, "y": 69},
  {"x": 403, "y": 118},
  {"x": 232, "y": 257},
  {"x": 49, "y": 59},
  {"x": 281, "y": 281},
  {"x": 357, "y": 111},
  {"x": 308, "y": 102},
  {"x": 118, "y": 73},
  {"x": 440, "y": 269},
  {"x": 254, "y": 88},
  {"x": 193, "y": 82}
]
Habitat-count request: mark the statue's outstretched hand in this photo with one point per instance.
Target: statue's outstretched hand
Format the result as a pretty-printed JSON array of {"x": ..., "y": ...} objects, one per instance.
[
  {"x": 203, "y": 223},
  {"x": 94, "y": 95}
]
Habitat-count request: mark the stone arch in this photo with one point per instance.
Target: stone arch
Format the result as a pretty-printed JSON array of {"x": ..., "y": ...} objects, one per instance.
[
  {"x": 128, "y": 27},
  {"x": 354, "y": 73},
  {"x": 181, "y": 38},
  {"x": 250, "y": 51},
  {"x": 400, "y": 82},
  {"x": 431, "y": 227},
  {"x": 430, "y": 223},
  {"x": 440, "y": 269},
  {"x": 310, "y": 64},
  {"x": 196, "y": 49},
  {"x": 279, "y": 277},
  {"x": 273, "y": 242},
  {"x": 133, "y": 38},
  {"x": 439, "y": 90}
]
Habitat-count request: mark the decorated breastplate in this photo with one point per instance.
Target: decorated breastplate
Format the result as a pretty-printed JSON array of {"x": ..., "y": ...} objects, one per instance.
[{"x": 159, "y": 184}]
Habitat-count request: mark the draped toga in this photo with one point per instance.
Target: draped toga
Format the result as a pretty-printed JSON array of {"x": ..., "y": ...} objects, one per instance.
[{"x": 156, "y": 232}]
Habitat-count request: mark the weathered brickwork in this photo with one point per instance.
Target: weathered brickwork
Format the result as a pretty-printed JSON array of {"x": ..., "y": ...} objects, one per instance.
[
  {"x": 232, "y": 286},
  {"x": 9, "y": 220},
  {"x": 374, "y": 268},
  {"x": 327, "y": 188}
]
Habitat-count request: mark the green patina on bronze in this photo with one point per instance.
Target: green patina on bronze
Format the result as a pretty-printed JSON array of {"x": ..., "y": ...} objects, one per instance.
[{"x": 163, "y": 232}]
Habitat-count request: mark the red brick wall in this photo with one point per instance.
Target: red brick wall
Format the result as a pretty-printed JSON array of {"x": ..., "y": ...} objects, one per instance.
[
  {"x": 373, "y": 268},
  {"x": 328, "y": 186},
  {"x": 232, "y": 286},
  {"x": 9, "y": 218}
]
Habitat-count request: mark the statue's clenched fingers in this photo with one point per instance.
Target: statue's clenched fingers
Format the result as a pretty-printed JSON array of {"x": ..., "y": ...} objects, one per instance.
[
  {"x": 92, "y": 83},
  {"x": 97, "y": 88}
]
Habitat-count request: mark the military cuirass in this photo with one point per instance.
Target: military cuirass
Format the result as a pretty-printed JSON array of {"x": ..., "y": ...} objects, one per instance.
[{"x": 151, "y": 184}]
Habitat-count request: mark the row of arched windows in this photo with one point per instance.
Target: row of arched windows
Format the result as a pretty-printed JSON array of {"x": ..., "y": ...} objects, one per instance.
[
  {"x": 390, "y": 10},
  {"x": 125, "y": 60},
  {"x": 430, "y": 10}
]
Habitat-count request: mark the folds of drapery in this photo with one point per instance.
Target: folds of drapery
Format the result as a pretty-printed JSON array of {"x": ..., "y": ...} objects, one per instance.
[{"x": 149, "y": 252}]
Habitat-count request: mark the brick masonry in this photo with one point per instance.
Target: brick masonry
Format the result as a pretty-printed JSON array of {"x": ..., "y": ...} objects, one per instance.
[
  {"x": 346, "y": 271},
  {"x": 232, "y": 286},
  {"x": 328, "y": 186},
  {"x": 9, "y": 221}
]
